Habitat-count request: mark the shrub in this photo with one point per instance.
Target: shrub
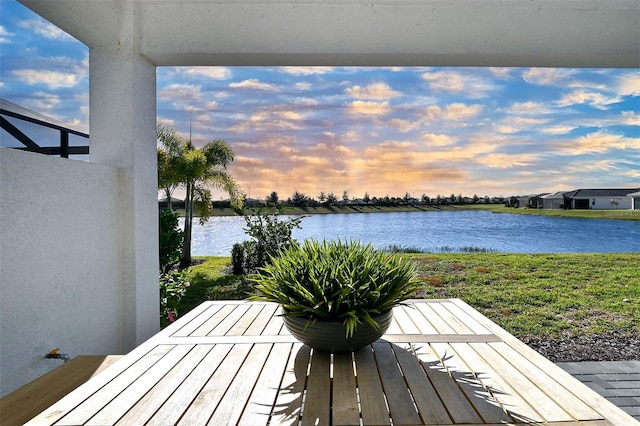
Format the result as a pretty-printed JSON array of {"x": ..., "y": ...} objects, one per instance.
[
  {"x": 172, "y": 287},
  {"x": 269, "y": 236},
  {"x": 170, "y": 239},
  {"x": 335, "y": 281},
  {"x": 237, "y": 258}
]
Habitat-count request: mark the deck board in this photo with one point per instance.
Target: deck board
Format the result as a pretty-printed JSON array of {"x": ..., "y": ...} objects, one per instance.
[
  {"x": 232, "y": 404},
  {"x": 233, "y": 362},
  {"x": 179, "y": 401},
  {"x": 288, "y": 407},
  {"x": 345, "y": 395},
  {"x": 459, "y": 407},
  {"x": 263, "y": 397},
  {"x": 317, "y": 406},
  {"x": 119, "y": 406},
  {"x": 161, "y": 392},
  {"x": 398, "y": 396}
]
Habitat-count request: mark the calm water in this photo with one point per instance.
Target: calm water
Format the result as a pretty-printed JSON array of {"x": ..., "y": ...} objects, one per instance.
[{"x": 431, "y": 231}]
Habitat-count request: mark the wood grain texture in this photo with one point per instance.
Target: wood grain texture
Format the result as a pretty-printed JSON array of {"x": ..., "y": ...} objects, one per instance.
[{"x": 441, "y": 362}]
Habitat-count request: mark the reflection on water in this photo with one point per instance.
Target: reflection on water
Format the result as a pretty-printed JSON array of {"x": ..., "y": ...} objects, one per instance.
[{"x": 432, "y": 231}]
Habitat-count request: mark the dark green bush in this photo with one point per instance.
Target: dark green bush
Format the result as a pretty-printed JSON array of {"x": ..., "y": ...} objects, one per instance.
[
  {"x": 237, "y": 258},
  {"x": 269, "y": 235},
  {"x": 170, "y": 239}
]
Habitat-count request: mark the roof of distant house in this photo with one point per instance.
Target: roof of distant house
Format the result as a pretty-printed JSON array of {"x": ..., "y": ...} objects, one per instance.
[{"x": 615, "y": 192}]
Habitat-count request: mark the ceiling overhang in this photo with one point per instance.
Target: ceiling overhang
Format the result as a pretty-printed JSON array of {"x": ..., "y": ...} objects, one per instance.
[{"x": 544, "y": 33}]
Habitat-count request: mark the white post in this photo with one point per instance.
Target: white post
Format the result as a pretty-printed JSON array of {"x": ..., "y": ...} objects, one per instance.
[{"x": 123, "y": 134}]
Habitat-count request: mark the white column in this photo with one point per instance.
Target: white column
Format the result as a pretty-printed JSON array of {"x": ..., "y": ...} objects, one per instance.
[{"x": 122, "y": 129}]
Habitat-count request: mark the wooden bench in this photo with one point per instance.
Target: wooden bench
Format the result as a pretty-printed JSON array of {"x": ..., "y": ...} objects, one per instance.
[{"x": 24, "y": 403}]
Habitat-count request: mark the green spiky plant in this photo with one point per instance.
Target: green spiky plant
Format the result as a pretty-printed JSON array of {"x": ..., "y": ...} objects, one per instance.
[{"x": 336, "y": 281}]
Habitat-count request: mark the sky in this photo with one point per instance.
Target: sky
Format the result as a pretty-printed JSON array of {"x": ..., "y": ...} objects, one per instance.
[{"x": 382, "y": 131}]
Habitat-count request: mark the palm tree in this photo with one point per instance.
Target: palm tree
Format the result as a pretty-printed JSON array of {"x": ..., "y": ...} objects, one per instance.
[{"x": 197, "y": 171}]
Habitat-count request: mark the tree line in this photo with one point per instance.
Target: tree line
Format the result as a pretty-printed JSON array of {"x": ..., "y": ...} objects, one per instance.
[{"x": 329, "y": 199}]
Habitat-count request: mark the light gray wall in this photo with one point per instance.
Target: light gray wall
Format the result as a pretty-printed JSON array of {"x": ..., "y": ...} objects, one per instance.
[
  {"x": 610, "y": 203},
  {"x": 60, "y": 263}
]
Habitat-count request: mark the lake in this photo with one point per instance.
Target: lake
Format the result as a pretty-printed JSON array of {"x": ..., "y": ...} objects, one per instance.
[{"x": 441, "y": 231}]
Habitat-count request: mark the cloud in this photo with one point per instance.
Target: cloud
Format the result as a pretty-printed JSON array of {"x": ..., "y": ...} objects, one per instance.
[
  {"x": 597, "y": 143},
  {"x": 4, "y": 34},
  {"x": 507, "y": 161},
  {"x": 305, "y": 102},
  {"x": 629, "y": 85},
  {"x": 455, "y": 82},
  {"x": 404, "y": 145},
  {"x": 302, "y": 85},
  {"x": 254, "y": 84},
  {"x": 55, "y": 72},
  {"x": 593, "y": 99},
  {"x": 633, "y": 174},
  {"x": 53, "y": 79},
  {"x": 501, "y": 73},
  {"x": 43, "y": 102},
  {"x": 372, "y": 91},
  {"x": 528, "y": 108},
  {"x": 432, "y": 139},
  {"x": 169, "y": 122},
  {"x": 630, "y": 118},
  {"x": 215, "y": 73},
  {"x": 45, "y": 29},
  {"x": 368, "y": 108},
  {"x": 557, "y": 130},
  {"x": 605, "y": 165},
  {"x": 270, "y": 119},
  {"x": 452, "y": 112},
  {"x": 180, "y": 92},
  {"x": 547, "y": 76},
  {"x": 307, "y": 70},
  {"x": 518, "y": 124},
  {"x": 404, "y": 126}
]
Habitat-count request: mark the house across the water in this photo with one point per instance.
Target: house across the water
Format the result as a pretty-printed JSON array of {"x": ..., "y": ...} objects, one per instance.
[
  {"x": 533, "y": 201},
  {"x": 594, "y": 199}
]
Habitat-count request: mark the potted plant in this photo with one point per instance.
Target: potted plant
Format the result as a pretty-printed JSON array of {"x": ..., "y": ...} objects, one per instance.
[{"x": 336, "y": 296}]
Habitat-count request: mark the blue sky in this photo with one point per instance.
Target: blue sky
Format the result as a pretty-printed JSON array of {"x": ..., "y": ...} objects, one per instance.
[{"x": 385, "y": 131}]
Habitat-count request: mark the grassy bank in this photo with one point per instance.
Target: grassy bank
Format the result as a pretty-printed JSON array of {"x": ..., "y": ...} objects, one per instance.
[
  {"x": 538, "y": 295},
  {"x": 495, "y": 208},
  {"x": 584, "y": 214}
]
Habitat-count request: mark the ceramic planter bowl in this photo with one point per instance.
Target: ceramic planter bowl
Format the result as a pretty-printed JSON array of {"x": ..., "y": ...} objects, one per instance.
[{"x": 330, "y": 336}]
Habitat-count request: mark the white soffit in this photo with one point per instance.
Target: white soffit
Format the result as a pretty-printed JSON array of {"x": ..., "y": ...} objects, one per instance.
[{"x": 545, "y": 33}]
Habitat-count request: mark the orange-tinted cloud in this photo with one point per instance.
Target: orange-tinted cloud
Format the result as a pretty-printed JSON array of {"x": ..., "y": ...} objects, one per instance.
[
  {"x": 373, "y": 91},
  {"x": 368, "y": 108}
]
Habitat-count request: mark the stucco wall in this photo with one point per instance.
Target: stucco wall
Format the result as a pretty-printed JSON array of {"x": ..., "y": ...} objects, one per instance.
[
  {"x": 609, "y": 203},
  {"x": 60, "y": 263}
]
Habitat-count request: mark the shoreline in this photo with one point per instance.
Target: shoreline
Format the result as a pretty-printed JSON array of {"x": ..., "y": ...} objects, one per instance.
[{"x": 494, "y": 208}]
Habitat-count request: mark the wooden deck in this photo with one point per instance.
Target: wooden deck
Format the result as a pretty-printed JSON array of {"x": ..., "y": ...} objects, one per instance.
[{"x": 441, "y": 362}]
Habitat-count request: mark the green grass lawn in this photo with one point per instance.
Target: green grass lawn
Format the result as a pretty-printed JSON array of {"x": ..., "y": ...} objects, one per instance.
[
  {"x": 543, "y": 295},
  {"x": 530, "y": 295},
  {"x": 584, "y": 214}
]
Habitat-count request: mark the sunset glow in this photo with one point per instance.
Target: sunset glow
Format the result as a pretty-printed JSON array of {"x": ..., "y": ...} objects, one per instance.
[{"x": 384, "y": 131}]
